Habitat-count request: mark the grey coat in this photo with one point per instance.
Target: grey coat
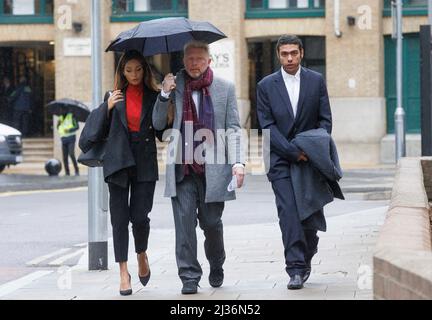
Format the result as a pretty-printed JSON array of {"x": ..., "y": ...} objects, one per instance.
[
  {"x": 315, "y": 182},
  {"x": 218, "y": 175}
]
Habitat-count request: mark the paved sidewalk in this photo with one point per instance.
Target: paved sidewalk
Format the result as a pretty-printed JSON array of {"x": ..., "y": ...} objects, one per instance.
[{"x": 254, "y": 268}]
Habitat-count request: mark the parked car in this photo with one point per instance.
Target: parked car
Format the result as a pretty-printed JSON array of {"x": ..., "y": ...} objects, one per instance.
[{"x": 10, "y": 147}]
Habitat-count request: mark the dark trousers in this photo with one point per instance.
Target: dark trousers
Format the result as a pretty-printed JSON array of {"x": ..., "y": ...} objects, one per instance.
[
  {"x": 133, "y": 206},
  {"x": 188, "y": 207},
  {"x": 300, "y": 243},
  {"x": 21, "y": 121},
  {"x": 68, "y": 148}
]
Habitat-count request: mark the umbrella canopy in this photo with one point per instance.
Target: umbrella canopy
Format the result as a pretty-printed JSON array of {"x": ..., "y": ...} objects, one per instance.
[
  {"x": 164, "y": 36},
  {"x": 64, "y": 106}
]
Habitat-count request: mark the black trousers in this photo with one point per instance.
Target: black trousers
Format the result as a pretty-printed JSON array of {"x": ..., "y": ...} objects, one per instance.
[
  {"x": 131, "y": 204},
  {"x": 68, "y": 148},
  {"x": 21, "y": 121},
  {"x": 300, "y": 242}
]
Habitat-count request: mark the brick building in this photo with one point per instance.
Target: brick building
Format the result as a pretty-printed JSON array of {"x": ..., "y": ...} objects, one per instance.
[{"x": 48, "y": 42}]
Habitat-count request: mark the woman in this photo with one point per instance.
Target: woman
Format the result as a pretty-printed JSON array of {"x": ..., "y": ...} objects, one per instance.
[
  {"x": 130, "y": 160},
  {"x": 67, "y": 126}
]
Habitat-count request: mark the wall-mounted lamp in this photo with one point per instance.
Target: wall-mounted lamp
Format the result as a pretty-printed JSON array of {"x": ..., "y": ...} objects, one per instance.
[
  {"x": 77, "y": 26},
  {"x": 351, "y": 21}
]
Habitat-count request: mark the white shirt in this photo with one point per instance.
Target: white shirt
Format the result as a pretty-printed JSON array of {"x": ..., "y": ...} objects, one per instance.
[
  {"x": 292, "y": 84},
  {"x": 195, "y": 97}
]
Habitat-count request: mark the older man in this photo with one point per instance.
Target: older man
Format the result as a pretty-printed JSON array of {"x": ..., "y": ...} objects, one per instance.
[{"x": 206, "y": 106}]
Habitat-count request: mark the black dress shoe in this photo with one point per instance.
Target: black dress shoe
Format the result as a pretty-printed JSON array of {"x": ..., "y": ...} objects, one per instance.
[
  {"x": 126, "y": 292},
  {"x": 308, "y": 270},
  {"x": 296, "y": 282},
  {"x": 144, "y": 280},
  {"x": 190, "y": 287},
  {"x": 216, "y": 277},
  {"x": 307, "y": 274}
]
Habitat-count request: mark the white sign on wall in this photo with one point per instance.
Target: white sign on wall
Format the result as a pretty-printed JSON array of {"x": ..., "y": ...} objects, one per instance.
[
  {"x": 23, "y": 7},
  {"x": 222, "y": 54},
  {"x": 77, "y": 47}
]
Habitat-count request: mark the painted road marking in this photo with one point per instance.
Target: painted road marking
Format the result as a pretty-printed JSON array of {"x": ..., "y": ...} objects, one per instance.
[
  {"x": 38, "y": 260},
  {"x": 59, "y": 261},
  {"x": 12, "y": 286}
]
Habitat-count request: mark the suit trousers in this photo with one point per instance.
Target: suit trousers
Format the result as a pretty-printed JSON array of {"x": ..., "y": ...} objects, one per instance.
[
  {"x": 300, "y": 242},
  {"x": 188, "y": 207},
  {"x": 131, "y": 204}
]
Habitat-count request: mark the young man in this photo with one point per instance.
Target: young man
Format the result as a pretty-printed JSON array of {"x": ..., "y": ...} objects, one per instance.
[{"x": 290, "y": 101}]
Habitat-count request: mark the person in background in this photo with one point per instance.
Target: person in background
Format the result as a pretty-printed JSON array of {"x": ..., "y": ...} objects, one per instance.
[
  {"x": 67, "y": 126},
  {"x": 5, "y": 109},
  {"x": 21, "y": 100}
]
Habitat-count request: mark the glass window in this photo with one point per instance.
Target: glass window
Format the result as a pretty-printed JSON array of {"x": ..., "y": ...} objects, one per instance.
[
  {"x": 319, "y": 3},
  {"x": 49, "y": 7},
  {"x": 301, "y": 4},
  {"x": 417, "y": 3},
  {"x": 125, "y": 6},
  {"x": 23, "y": 7},
  {"x": 277, "y": 4},
  {"x": 150, "y": 5},
  {"x": 256, "y": 4},
  {"x": 7, "y": 6},
  {"x": 121, "y": 6},
  {"x": 27, "y": 7},
  {"x": 141, "y": 5},
  {"x": 161, "y": 5},
  {"x": 408, "y": 3},
  {"x": 183, "y": 5}
]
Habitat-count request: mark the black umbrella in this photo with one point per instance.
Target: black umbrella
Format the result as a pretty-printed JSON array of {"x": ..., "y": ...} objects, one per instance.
[
  {"x": 164, "y": 36},
  {"x": 64, "y": 106}
]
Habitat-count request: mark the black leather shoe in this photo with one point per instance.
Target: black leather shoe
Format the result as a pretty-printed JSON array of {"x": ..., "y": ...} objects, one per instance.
[
  {"x": 307, "y": 274},
  {"x": 126, "y": 292},
  {"x": 296, "y": 282},
  {"x": 216, "y": 277},
  {"x": 308, "y": 270},
  {"x": 144, "y": 280},
  {"x": 189, "y": 287}
]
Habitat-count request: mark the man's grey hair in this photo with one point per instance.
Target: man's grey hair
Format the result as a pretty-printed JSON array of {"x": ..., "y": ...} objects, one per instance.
[{"x": 195, "y": 44}]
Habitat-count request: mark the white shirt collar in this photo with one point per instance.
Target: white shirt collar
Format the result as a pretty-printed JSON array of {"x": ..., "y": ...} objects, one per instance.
[{"x": 286, "y": 75}]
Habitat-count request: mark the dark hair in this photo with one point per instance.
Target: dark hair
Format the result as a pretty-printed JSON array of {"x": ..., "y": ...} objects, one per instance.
[
  {"x": 289, "y": 39},
  {"x": 120, "y": 81}
]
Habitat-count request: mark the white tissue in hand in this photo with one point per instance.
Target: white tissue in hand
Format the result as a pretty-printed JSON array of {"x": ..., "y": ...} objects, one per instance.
[{"x": 233, "y": 184}]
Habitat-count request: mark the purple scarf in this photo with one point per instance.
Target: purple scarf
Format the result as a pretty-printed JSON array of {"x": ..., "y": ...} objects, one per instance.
[{"x": 205, "y": 119}]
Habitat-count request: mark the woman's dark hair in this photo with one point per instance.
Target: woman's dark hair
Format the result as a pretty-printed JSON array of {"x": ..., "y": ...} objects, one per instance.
[
  {"x": 289, "y": 39},
  {"x": 120, "y": 80}
]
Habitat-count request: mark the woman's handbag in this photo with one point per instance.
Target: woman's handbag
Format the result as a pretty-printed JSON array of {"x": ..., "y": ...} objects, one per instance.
[{"x": 93, "y": 157}]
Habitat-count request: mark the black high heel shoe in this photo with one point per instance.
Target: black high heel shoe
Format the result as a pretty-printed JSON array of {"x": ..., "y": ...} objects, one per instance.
[
  {"x": 127, "y": 292},
  {"x": 144, "y": 280}
]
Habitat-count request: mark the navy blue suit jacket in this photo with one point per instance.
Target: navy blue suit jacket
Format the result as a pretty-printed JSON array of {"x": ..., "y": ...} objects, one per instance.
[{"x": 276, "y": 114}]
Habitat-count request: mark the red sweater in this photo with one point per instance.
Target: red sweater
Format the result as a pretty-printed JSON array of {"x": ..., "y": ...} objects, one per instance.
[{"x": 134, "y": 98}]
